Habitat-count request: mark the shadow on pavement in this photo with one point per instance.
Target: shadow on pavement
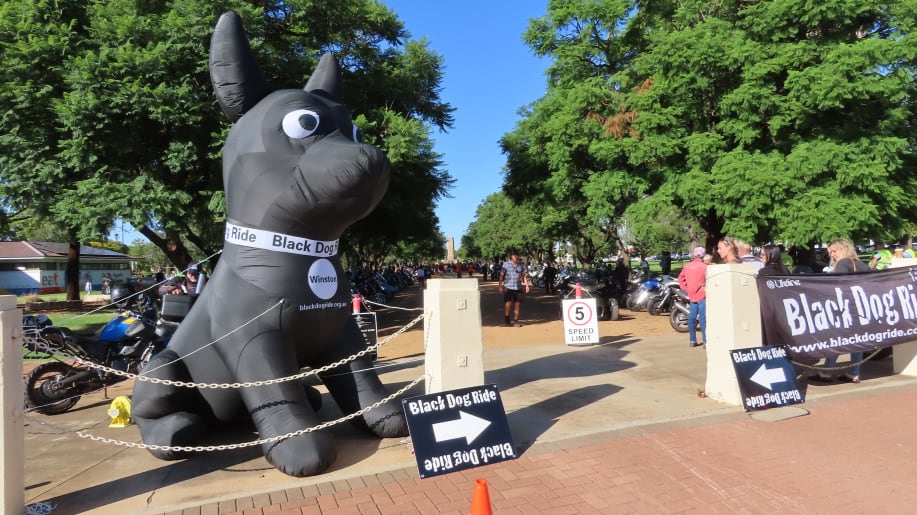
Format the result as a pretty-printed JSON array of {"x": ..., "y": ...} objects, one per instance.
[{"x": 532, "y": 421}]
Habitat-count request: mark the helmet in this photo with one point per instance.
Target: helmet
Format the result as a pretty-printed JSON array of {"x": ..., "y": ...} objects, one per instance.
[
  {"x": 121, "y": 295},
  {"x": 194, "y": 268}
]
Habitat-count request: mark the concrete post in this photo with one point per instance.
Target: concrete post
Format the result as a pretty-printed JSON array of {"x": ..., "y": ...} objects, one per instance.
[
  {"x": 733, "y": 322},
  {"x": 452, "y": 332},
  {"x": 904, "y": 355},
  {"x": 12, "y": 390}
]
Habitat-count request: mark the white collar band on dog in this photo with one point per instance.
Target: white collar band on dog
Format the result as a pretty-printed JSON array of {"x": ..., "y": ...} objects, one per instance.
[{"x": 269, "y": 240}]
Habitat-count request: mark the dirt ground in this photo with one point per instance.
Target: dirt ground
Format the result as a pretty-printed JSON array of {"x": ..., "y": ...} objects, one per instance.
[{"x": 540, "y": 316}]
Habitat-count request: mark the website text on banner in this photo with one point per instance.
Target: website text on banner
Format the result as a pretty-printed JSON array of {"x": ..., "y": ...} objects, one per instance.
[{"x": 817, "y": 316}]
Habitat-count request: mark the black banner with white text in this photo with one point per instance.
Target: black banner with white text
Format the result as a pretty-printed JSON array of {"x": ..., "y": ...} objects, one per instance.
[{"x": 821, "y": 315}]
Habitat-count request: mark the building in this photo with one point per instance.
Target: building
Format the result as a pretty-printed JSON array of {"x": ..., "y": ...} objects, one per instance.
[{"x": 40, "y": 267}]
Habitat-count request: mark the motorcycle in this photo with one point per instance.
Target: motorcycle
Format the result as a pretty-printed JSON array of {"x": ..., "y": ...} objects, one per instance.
[
  {"x": 126, "y": 343},
  {"x": 662, "y": 302},
  {"x": 681, "y": 307},
  {"x": 639, "y": 299},
  {"x": 605, "y": 299},
  {"x": 602, "y": 288}
]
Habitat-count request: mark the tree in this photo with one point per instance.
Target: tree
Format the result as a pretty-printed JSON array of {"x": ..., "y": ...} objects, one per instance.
[
  {"x": 774, "y": 121},
  {"x": 109, "y": 111},
  {"x": 500, "y": 225},
  {"x": 764, "y": 120}
]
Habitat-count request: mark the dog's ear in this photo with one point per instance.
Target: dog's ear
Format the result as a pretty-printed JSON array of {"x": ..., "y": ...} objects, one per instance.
[
  {"x": 237, "y": 79},
  {"x": 326, "y": 80}
]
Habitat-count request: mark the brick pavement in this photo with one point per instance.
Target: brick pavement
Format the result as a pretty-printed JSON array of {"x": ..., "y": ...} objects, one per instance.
[{"x": 854, "y": 453}]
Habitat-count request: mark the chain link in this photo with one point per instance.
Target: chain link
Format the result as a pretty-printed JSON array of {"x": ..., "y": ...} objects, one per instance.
[
  {"x": 302, "y": 375},
  {"x": 226, "y": 447},
  {"x": 210, "y": 448},
  {"x": 837, "y": 368},
  {"x": 367, "y": 301}
]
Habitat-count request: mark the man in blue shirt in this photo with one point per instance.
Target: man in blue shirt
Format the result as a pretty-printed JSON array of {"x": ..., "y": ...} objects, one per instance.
[{"x": 512, "y": 280}]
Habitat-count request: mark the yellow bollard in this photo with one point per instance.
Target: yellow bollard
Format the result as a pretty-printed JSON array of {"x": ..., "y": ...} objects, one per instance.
[{"x": 120, "y": 411}]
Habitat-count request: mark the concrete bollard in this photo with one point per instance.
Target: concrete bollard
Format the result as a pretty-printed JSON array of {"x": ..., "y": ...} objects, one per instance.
[
  {"x": 452, "y": 335},
  {"x": 733, "y": 322},
  {"x": 12, "y": 390},
  {"x": 904, "y": 355}
]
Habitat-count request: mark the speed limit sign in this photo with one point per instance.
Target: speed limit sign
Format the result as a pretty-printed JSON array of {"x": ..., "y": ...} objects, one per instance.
[{"x": 581, "y": 326}]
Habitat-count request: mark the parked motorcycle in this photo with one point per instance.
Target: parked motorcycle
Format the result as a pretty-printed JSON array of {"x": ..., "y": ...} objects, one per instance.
[
  {"x": 606, "y": 302},
  {"x": 662, "y": 302},
  {"x": 639, "y": 299},
  {"x": 126, "y": 343},
  {"x": 681, "y": 307},
  {"x": 602, "y": 288}
]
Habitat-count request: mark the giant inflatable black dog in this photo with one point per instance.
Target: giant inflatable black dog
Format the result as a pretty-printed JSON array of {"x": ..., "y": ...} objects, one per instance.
[{"x": 295, "y": 179}]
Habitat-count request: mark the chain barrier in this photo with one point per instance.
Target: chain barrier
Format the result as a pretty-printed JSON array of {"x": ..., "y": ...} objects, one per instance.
[
  {"x": 837, "y": 368},
  {"x": 226, "y": 447},
  {"x": 44, "y": 346},
  {"x": 302, "y": 375},
  {"x": 367, "y": 301}
]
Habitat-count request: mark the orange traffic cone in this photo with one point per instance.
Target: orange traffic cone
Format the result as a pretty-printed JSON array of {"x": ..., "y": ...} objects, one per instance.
[{"x": 480, "y": 502}]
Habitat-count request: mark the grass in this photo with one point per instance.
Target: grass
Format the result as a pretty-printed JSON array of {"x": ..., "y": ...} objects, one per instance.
[{"x": 81, "y": 322}]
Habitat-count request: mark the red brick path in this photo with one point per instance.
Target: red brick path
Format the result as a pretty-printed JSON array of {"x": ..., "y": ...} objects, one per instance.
[{"x": 854, "y": 453}]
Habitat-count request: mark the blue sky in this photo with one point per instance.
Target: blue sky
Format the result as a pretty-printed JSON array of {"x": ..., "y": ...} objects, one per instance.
[{"x": 489, "y": 75}]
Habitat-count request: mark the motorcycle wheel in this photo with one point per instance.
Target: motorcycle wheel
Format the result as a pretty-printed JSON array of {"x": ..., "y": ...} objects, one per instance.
[
  {"x": 613, "y": 311},
  {"x": 540, "y": 282},
  {"x": 654, "y": 306},
  {"x": 43, "y": 392},
  {"x": 151, "y": 350},
  {"x": 631, "y": 303},
  {"x": 679, "y": 321}
]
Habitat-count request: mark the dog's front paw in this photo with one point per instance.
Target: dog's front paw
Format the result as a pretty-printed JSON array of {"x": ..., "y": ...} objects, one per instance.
[{"x": 301, "y": 456}]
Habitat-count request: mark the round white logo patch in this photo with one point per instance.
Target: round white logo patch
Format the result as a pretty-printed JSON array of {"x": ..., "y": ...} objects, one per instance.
[{"x": 323, "y": 280}]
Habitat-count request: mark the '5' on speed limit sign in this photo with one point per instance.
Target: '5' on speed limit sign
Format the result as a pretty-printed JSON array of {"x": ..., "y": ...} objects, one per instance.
[{"x": 581, "y": 326}]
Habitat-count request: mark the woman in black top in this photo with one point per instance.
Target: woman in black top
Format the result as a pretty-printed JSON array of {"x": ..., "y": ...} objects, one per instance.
[
  {"x": 845, "y": 258},
  {"x": 773, "y": 261}
]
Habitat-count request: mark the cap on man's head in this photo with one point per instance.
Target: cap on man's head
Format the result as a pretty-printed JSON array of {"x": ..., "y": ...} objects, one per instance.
[
  {"x": 699, "y": 252},
  {"x": 193, "y": 268}
]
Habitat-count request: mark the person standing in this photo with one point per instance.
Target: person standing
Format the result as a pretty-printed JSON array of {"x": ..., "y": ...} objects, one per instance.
[
  {"x": 87, "y": 279},
  {"x": 665, "y": 262},
  {"x": 845, "y": 259},
  {"x": 693, "y": 280},
  {"x": 882, "y": 259},
  {"x": 745, "y": 255},
  {"x": 773, "y": 261},
  {"x": 550, "y": 275},
  {"x": 728, "y": 250},
  {"x": 421, "y": 275},
  {"x": 512, "y": 280}
]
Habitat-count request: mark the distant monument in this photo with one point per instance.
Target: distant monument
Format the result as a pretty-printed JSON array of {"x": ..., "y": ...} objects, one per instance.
[{"x": 450, "y": 250}]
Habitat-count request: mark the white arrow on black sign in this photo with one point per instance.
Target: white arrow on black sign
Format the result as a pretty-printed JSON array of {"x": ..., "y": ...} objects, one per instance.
[
  {"x": 768, "y": 376},
  {"x": 467, "y": 426}
]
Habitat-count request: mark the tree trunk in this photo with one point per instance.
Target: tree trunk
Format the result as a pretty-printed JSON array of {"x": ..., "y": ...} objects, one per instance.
[
  {"x": 172, "y": 245},
  {"x": 72, "y": 273},
  {"x": 713, "y": 228}
]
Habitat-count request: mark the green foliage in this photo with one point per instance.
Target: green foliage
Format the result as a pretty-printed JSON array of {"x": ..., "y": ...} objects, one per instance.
[
  {"x": 770, "y": 121},
  {"x": 109, "y": 113},
  {"x": 500, "y": 225},
  {"x": 152, "y": 258}
]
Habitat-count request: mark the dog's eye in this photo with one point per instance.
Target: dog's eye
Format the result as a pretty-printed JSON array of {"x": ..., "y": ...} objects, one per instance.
[
  {"x": 356, "y": 134},
  {"x": 300, "y": 123}
]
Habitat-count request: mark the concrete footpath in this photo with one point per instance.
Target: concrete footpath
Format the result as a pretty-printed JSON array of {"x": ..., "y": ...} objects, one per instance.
[{"x": 613, "y": 428}]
